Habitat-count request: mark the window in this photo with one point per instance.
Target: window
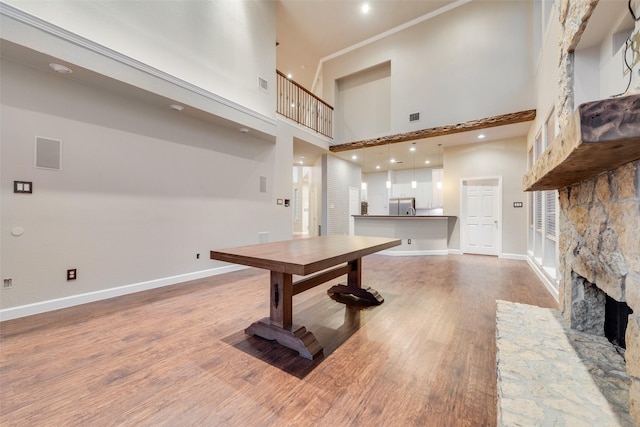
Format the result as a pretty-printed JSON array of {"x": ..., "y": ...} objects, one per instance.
[
  {"x": 538, "y": 217},
  {"x": 550, "y": 131},
  {"x": 550, "y": 214},
  {"x": 543, "y": 225},
  {"x": 539, "y": 147}
]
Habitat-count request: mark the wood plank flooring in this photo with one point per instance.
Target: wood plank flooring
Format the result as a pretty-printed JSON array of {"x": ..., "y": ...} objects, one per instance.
[{"x": 178, "y": 356}]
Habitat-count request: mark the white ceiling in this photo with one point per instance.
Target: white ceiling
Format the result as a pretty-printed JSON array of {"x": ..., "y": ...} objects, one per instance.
[{"x": 309, "y": 30}]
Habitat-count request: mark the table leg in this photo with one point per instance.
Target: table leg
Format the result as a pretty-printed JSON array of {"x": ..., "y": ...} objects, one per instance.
[
  {"x": 354, "y": 287},
  {"x": 279, "y": 326}
]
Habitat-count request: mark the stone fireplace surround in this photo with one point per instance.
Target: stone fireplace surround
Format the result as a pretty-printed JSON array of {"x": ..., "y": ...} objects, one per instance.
[
  {"x": 600, "y": 242},
  {"x": 549, "y": 372},
  {"x": 594, "y": 165},
  {"x": 597, "y": 174}
]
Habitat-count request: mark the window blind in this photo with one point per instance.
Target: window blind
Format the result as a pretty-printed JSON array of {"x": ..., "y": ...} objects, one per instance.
[
  {"x": 538, "y": 211},
  {"x": 550, "y": 213}
]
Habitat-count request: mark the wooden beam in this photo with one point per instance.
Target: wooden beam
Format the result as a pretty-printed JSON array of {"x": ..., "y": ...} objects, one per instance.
[{"x": 488, "y": 122}]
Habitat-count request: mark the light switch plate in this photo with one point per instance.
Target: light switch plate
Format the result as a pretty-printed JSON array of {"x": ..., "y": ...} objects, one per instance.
[{"x": 23, "y": 187}]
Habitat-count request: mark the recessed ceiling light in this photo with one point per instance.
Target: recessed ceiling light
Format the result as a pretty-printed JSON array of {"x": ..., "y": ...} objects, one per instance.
[
  {"x": 481, "y": 136},
  {"x": 244, "y": 130},
  {"x": 301, "y": 162},
  {"x": 354, "y": 157},
  {"x": 289, "y": 76},
  {"x": 365, "y": 8},
  {"x": 59, "y": 68},
  {"x": 392, "y": 160},
  {"x": 377, "y": 166},
  {"x": 176, "y": 107},
  {"x": 412, "y": 149},
  {"x": 427, "y": 162}
]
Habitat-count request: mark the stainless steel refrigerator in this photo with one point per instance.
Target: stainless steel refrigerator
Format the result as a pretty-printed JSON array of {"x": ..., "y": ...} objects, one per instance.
[{"x": 402, "y": 206}]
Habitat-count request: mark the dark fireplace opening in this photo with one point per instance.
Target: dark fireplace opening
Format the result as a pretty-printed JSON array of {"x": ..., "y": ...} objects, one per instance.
[
  {"x": 593, "y": 311},
  {"x": 616, "y": 316}
]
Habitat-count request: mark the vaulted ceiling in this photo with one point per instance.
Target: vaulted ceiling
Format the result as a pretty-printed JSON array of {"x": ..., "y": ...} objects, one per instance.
[{"x": 310, "y": 30}]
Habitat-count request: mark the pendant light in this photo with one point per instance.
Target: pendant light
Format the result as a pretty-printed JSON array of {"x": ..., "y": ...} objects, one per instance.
[
  {"x": 388, "y": 183},
  {"x": 363, "y": 183},
  {"x": 414, "y": 183},
  {"x": 439, "y": 182}
]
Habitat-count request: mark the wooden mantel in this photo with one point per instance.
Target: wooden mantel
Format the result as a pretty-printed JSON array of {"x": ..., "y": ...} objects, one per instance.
[{"x": 600, "y": 136}]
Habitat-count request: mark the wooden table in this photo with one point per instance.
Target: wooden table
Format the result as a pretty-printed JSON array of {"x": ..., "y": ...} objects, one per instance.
[{"x": 302, "y": 257}]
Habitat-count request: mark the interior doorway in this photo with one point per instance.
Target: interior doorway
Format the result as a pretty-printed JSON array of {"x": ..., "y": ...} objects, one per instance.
[
  {"x": 306, "y": 193},
  {"x": 481, "y": 216},
  {"x": 301, "y": 201}
]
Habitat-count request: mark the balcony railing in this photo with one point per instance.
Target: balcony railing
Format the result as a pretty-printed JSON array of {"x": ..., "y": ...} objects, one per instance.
[{"x": 303, "y": 107}]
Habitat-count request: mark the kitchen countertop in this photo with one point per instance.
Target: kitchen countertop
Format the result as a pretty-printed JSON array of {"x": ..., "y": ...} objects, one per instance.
[{"x": 404, "y": 216}]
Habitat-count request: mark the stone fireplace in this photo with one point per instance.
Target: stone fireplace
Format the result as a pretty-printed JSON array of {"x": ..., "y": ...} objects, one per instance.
[
  {"x": 594, "y": 164},
  {"x": 600, "y": 258}
]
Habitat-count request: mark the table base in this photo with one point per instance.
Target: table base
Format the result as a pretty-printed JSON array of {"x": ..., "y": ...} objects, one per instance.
[
  {"x": 367, "y": 296},
  {"x": 294, "y": 337}
]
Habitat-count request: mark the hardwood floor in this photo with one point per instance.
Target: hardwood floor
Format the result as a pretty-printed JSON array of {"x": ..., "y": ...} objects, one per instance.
[{"x": 179, "y": 356}]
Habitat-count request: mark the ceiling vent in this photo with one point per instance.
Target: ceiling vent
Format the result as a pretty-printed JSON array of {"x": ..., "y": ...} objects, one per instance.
[
  {"x": 263, "y": 84},
  {"x": 414, "y": 117}
]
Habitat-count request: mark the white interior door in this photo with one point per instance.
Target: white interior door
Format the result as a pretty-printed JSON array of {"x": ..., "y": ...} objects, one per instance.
[{"x": 481, "y": 218}]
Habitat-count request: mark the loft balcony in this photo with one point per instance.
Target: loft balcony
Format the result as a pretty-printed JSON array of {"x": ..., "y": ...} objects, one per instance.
[{"x": 298, "y": 104}]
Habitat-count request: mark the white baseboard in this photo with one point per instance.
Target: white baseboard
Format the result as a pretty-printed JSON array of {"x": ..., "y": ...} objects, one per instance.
[
  {"x": 545, "y": 279},
  {"x": 73, "y": 300},
  {"x": 454, "y": 252},
  {"x": 414, "y": 253},
  {"x": 519, "y": 257}
]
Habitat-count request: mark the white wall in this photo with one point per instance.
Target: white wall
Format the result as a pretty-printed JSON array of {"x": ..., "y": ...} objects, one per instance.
[
  {"x": 377, "y": 194},
  {"x": 219, "y": 46},
  {"x": 505, "y": 158},
  {"x": 587, "y": 75},
  {"x": 614, "y": 77},
  {"x": 170, "y": 49},
  {"x": 339, "y": 175},
  {"x": 142, "y": 189},
  {"x": 363, "y": 107},
  {"x": 472, "y": 62}
]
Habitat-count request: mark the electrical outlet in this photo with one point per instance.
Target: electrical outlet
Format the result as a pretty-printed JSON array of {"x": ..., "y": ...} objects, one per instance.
[
  {"x": 72, "y": 274},
  {"x": 7, "y": 283}
]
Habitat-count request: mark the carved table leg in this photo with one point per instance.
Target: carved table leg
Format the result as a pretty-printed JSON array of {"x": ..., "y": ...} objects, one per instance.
[
  {"x": 279, "y": 326},
  {"x": 354, "y": 287}
]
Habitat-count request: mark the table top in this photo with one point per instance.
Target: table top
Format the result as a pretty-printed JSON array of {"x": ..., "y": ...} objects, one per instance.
[{"x": 305, "y": 256}]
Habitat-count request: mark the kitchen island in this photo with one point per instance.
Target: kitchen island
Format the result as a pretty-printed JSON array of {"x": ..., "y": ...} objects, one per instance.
[{"x": 420, "y": 234}]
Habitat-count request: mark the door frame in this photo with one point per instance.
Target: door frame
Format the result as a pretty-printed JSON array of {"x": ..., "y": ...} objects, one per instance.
[{"x": 463, "y": 211}]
